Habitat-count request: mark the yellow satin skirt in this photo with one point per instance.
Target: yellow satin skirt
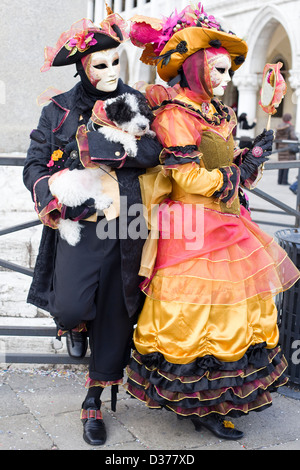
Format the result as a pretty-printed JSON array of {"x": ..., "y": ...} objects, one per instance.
[{"x": 183, "y": 332}]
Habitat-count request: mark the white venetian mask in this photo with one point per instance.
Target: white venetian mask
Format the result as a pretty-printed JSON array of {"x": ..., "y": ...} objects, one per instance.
[
  {"x": 103, "y": 69},
  {"x": 219, "y": 67}
]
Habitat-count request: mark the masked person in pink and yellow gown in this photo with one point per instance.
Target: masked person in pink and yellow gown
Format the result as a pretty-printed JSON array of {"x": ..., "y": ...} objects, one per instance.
[{"x": 206, "y": 342}]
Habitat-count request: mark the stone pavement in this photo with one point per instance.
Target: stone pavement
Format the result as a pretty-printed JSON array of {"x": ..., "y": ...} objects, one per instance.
[{"x": 40, "y": 407}]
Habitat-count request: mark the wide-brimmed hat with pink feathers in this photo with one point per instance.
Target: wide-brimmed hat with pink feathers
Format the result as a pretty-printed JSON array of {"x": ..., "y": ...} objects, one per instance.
[{"x": 168, "y": 42}]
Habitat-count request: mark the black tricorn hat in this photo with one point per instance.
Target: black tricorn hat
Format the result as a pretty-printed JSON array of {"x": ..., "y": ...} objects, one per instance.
[{"x": 84, "y": 38}]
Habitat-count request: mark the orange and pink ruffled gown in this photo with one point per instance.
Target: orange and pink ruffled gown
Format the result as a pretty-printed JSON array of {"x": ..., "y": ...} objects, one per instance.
[{"x": 207, "y": 338}]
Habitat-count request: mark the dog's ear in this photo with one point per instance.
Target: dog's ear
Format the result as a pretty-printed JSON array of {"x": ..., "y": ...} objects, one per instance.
[
  {"x": 119, "y": 110},
  {"x": 145, "y": 108},
  {"x": 113, "y": 107}
]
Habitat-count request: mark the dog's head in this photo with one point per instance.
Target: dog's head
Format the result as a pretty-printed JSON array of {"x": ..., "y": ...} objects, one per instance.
[{"x": 130, "y": 113}]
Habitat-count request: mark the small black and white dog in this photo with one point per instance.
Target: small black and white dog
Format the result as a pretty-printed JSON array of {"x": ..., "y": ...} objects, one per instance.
[{"x": 132, "y": 118}]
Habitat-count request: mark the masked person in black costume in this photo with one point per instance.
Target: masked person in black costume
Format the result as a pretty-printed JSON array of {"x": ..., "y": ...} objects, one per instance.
[{"x": 90, "y": 289}]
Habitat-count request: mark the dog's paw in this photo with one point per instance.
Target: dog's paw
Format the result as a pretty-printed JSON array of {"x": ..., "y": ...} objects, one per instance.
[
  {"x": 103, "y": 203},
  {"x": 131, "y": 153},
  {"x": 151, "y": 134}
]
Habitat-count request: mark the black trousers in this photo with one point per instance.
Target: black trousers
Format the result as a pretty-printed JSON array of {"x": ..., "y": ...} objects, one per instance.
[{"x": 87, "y": 287}]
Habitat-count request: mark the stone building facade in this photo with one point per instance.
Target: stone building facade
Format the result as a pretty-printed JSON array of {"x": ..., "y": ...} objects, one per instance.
[{"x": 271, "y": 29}]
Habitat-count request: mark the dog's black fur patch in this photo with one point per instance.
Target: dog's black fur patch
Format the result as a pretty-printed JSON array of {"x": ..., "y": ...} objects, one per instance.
[{"x": 120, "y": 111}]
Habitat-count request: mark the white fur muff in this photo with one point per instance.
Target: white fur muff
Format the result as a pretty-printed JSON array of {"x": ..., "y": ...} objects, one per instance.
[{"x": 73, "y": 188}]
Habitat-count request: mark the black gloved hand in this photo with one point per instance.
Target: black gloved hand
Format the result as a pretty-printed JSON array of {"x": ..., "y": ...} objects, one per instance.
[
  {"x": 76, "y": 213},
  {"x": 261, "y": 149},
  {"x": 71, "y": 153}
]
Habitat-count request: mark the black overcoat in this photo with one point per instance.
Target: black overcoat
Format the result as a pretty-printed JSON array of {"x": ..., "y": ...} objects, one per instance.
[{"x": 59, "y": 122}]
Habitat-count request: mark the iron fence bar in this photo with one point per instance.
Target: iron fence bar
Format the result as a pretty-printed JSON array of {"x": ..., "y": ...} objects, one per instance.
[
  {"x": 281, "y": 165},
  {"x": 16, "y": 267},
  {"x": 265, "y": 222},
  {"x": 16, "y": 228},
  {"x": 12, "y": 161},
  {"x": 283, "y": 141},
  {"x": 287, "y": 140},
  {"x": 283, "y": 149},
  {"x": 55, "y": 358},
  {"x": 267, "y": 211},
  {"x": 286, "y": 209},
  {"x": 8, "y": 330},
  {"x": 275, "y": 202},
  {"x": 36, "y": 358}
]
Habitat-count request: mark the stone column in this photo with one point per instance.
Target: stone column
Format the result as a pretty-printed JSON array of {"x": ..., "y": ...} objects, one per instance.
[
  {"x": 247, "y": 86},
  {"x": 91, "y": 9},
  {"x": 294, "y": 80},
  {"x": 118, "y": 6},
  {"x": 100, "y": 10}
]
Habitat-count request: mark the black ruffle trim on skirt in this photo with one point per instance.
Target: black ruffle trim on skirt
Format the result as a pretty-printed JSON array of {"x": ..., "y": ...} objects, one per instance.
[{"x": 208, "y": 385}]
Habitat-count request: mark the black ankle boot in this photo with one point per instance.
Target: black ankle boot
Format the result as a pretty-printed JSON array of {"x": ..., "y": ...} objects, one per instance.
[
  {"x": 215, "y": 424},
  {"x": 77, "y": 343},
  {"x": 94, "y": 432}
]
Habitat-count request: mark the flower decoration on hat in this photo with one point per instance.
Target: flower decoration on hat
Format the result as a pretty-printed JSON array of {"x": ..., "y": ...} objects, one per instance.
[
  {"x": 81, "y": 42},
  {"x": 186, "y": 19},
  {"x": 169, "y": 41}
]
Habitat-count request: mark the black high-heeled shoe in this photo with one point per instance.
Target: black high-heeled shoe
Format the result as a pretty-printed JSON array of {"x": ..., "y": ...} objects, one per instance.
[
  {"x": 215, "y": 424},
  {"x": 94, "y": 431},
  {"x": 77, "y": 343}
]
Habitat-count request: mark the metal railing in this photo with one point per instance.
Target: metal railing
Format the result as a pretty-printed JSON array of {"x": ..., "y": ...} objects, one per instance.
[
  {"x": 35, "y": 358},
  {"x": 60, "y": 358},
  {"x": 27, "y": 331},
  {"x": 285, "y": 209}
]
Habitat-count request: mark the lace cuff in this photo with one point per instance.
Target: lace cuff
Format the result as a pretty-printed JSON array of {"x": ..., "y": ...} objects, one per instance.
[
  {"x": 46, "y": 206},
  {"x": 229, "y": 190},
  {"x": 180, "y": 155}
]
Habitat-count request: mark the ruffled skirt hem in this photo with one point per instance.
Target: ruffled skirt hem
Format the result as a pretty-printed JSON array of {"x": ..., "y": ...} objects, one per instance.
[{"x": 208, "y": 385}]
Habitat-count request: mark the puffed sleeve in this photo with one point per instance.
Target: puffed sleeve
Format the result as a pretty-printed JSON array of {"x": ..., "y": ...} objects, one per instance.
[
  {"x": 196, "y": 180},
  {"x": 179, "y": 136}
]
